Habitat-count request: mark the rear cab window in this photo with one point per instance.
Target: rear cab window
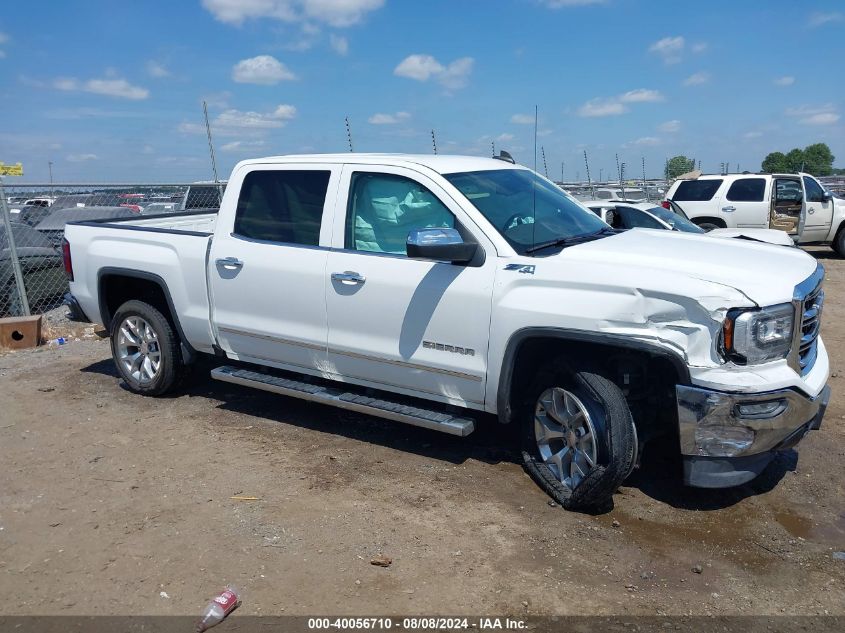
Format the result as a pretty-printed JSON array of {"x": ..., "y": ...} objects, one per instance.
[
  {"x": 282, "y": 206},
  {"x": 697, "y": 190},
  {"x": 747, "y": 190}
]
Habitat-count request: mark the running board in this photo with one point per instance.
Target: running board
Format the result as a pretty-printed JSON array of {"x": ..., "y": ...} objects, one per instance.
[{"x": 426, "y": 418}]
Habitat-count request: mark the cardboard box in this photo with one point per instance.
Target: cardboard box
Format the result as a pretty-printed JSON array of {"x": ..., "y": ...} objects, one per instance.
[{"x": 20, "y": 332}]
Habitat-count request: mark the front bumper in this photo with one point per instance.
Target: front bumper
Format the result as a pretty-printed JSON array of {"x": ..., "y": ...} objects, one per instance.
[{"x": 727, "y": 439}]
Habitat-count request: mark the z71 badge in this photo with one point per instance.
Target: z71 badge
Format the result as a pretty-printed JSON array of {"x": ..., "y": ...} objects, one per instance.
[{"x": 528, "y": 269}]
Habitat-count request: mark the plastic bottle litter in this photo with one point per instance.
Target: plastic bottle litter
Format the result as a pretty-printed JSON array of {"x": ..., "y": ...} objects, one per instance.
[
  {"x": 57, "y": 341},
  {"x": 219, "y": 608}
]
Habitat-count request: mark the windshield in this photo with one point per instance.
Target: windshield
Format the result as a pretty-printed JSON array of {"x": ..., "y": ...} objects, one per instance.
[
  {"x": 508, "y": 199},
  {"x": 675, "y": 220}
]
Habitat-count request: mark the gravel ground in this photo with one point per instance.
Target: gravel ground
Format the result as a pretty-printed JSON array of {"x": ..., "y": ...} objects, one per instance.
[{"x": 128, "y": 497}]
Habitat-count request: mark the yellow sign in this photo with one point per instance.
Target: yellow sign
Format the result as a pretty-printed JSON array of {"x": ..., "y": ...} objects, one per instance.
[{"x": 11, "y": 170}]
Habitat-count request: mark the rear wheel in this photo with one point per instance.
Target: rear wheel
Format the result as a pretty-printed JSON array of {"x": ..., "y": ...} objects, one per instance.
[
  {"x": 579, "y": 439},
  {"x": 145, "y": 349}
]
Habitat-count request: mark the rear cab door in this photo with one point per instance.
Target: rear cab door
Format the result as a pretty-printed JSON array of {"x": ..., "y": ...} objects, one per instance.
[
  {"x": 746, "y": 200},
  {"x": 267, "y": 265}
]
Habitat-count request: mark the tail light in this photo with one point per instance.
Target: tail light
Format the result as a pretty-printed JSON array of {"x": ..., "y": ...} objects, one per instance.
[
  {"x": 67, "y": 260},
  {"x": 132, "y": 207},
  {"x": 665, "y": 204}
]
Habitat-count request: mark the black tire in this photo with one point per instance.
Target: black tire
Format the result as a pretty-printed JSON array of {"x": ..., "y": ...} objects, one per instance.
[
  {"x": 171, "y": 368},
  {"x": 709, "y": 226},
  {"x": 616, "y": 444},
  {"x": 839, "y": 243}
]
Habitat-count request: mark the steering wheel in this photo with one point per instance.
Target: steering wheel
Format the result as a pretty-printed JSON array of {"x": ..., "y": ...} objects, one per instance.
[{"x": 515, "y": 220}]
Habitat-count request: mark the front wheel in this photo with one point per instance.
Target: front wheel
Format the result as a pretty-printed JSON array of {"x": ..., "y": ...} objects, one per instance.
[
  {"x": 839, "y": 243},
  {"x": 579, "y": 439},
  {"x": 145, "y": 349}
]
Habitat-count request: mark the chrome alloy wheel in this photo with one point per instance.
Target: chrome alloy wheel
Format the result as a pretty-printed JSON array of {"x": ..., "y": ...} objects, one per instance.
[
  {"x": 138, "y": 350},
  {"x": 565, "y": 435}
]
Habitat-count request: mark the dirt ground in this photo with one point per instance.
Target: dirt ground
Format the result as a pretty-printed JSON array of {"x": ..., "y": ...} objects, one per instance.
[{"x": 111, "y": 503}]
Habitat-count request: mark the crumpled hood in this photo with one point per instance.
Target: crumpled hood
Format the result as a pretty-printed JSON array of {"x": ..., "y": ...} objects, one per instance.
[
  {"x": 769, "y": 236},
  {"x": 764, "y": 273}
]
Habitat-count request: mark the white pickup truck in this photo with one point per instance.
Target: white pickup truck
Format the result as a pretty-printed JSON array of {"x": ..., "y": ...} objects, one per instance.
[
  {"x": 795, "y": 203},
  {"x": 442, "y": 291}
]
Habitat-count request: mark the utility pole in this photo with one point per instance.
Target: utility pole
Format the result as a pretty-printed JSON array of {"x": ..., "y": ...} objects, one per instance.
[
  {"x": 433, "y": 142},
  {"x": 50, "y": 167},
  {"x": 589, "y": 180},
  {"x": 561, "y": 171},
  {"x": 210, "y": 144},
  {"x": 601, "y": 174},
  {"x": 349, "y": 133},
  {"x": 643, "y": 158},
  {"x": 493, "y": 145},
  {"x": 545, "y": 166}
]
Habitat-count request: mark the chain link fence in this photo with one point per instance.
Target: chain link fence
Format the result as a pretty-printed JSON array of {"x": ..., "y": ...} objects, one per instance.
[{"x": 32, "y": 275}]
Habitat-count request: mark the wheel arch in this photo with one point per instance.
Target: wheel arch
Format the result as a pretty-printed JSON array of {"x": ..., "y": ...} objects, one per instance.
[
  {"x": 707, "y": 219},
  {"x": 524, "y": 345},
  {"x": 115, "y": 286}
]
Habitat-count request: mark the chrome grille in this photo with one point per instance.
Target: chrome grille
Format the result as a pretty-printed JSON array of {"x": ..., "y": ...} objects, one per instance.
[
  {"x": 808, "y": 300},
  {"x": 810, "y": 326}
]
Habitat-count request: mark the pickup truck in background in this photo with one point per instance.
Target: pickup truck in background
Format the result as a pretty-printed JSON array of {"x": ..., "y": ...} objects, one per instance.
[
  {"x": 449, "y": 291},
  {"x": 795, "y": 203}
]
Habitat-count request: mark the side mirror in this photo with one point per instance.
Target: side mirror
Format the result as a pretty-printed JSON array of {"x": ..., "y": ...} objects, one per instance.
[
  {"x": 445, "y": 245},
  {"x": 827, "y": 197}
]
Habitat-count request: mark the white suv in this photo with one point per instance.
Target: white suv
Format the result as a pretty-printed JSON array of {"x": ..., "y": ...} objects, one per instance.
[{"x": 795, "y": 203}]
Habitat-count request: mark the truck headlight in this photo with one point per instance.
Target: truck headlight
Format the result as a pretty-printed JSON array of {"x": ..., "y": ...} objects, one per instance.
[{"x": 757, "y": 336}]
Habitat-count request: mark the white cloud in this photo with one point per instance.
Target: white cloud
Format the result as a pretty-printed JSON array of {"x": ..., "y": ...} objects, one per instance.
[
  {"x": 2, "y": 54},
  {"x": 425, "y": 67},
  {"x": 784, "y": 81},
  {"x": 3, "y": 38},
  {"x": 669, "y": 48},
  {"x": 815, "y": 115},
  {"x": 238, "y": 119},
  {"x": 264, "y": 70},
  {"x": 388, "y": 119},
  {"x": 523, "y": 119},
  {"x": 641, "y": 95},
  {"x": 339, "y": 44},
  {"x": 646, "y": 141},
  {"x": 820, "y": 19},
  {"x": 81, "y": 158},
  {"x": 750, "y": 135},
  {"x": 155, "y": 69},
  {"x": 699, "y": 47},
  {"x": 670, "y": 126},
  {"x": 822, "y": 118},
  {"x": 232, "y": 122},
  {"x": 239, "y": 146},
  {"x": 504, "y": 138},
  {"x": 111, "y": 87},
  {"x": 697, "y": 79},
  {"x": 601, "y": 108},
  {"x": 337, "y": 13}
]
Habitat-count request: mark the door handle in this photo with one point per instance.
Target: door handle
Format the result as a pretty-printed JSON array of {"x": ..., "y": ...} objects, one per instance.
[
  {"x": 731, "y": 208},
  {"x": 811, "y": 210},
  {"x": 230, "y": 263},
  {"x": 348, "y": 277}
]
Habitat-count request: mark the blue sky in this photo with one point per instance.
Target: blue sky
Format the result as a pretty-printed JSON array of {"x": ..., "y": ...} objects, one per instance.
[{"x": 112, "y": 91}]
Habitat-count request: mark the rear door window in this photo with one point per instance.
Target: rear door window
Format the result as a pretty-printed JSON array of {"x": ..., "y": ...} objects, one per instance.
[
  {"x": 282, "y": 206},
  {"x": 747, "y": 190},
  {"x": 634, "y": 218},
  {"x": 697, "y": 190}
]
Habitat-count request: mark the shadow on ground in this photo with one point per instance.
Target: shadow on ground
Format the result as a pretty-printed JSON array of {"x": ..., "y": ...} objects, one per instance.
[{"x": 659, "y": 477}]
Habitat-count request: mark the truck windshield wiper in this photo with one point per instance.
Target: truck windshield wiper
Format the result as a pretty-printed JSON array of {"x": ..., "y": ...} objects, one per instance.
[{"x": 569, "y": 241}]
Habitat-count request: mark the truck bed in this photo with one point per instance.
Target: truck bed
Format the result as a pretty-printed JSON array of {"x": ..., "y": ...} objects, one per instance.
[
  {"x": 202, "y": 223},
  {"x": 169, "y": 249}
]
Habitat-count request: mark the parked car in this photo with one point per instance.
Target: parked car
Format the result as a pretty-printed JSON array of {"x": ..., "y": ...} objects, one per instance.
[
  {"x": 437, "y": 290},
  {"x": 158, "y": 208},
  {"x": 203, "y": 196},
  {"x": 794, "y": 203},
  {"x": 41, "y": 266},
  {"x": 32, "y": 215},
  {"x": 629, "y": 215},
  {"x": 53, "y": 226}
]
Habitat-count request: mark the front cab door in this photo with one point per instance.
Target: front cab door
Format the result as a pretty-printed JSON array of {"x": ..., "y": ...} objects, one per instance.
[{"x": 401, "y": 324}]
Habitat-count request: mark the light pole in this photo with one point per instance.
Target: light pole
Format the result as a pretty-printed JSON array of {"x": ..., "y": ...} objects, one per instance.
[{"x": 50, "y": 167}]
